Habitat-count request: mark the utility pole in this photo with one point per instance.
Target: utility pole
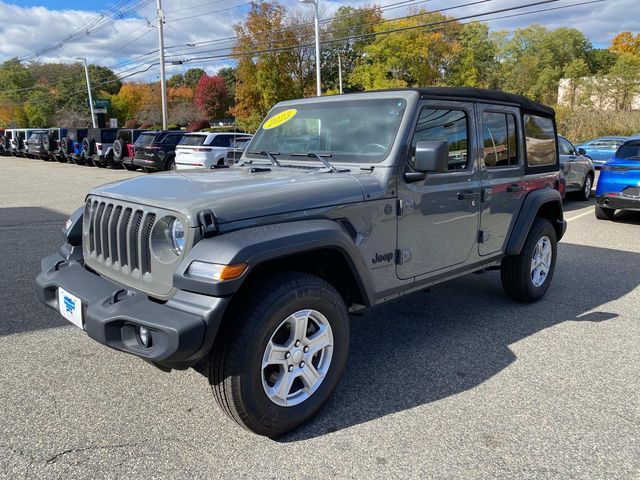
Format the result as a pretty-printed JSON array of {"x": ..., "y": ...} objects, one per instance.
[
  {"x": 163, "y": 87},
  {"x": 86, "y": 73},
  {"x": 340, "y": 72},
  {"x": 316, "y": 13}
]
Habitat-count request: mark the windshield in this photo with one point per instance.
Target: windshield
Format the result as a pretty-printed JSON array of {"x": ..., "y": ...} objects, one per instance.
[
  {"x": 145, "y": 139},
  {"x": 192, "y": 140},
  {"x": 629, "y": 151},
  {"x": 358, "y": 131}
]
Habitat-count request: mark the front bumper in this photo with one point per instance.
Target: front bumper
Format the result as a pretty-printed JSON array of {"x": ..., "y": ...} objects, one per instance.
[
  {"x": 182, "y": 329},
  {"x": 621, "y": 202}
]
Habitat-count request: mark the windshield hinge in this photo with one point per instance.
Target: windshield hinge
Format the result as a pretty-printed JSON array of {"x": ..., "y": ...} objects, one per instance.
[
  {"x": 207, "y": 223},
  {"x": 404, "y": 207}
]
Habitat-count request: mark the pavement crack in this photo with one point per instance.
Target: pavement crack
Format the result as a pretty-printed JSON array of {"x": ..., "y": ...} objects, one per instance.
[{"x": 55, "y": 457}]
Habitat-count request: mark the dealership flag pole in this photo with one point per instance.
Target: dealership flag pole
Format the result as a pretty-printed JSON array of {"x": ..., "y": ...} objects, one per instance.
[{"x": 163, "y": 87}]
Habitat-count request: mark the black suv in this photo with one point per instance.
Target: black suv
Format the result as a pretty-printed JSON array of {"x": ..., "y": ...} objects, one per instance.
[
  {"x": 157, "y": 150},
  {"x": 52, "y": 144},
  {"x": 35, "y": 148},
  {"x": 338, "y": 203},
  {"x": 71, "y": 145},
  {"x": 97, "y": 147},
  {"x": 123, "y": 151}
]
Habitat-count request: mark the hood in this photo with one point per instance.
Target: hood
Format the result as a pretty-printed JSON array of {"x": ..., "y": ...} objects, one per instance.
[{"x": 237, "y": 193}]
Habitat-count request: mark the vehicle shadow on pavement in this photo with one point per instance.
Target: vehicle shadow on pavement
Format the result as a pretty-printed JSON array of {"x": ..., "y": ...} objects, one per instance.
[
  {"x": 27, "y": 234},
  {"x": 429, "y": 346}
]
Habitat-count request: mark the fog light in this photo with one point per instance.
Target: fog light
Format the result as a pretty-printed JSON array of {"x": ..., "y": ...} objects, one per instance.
[{"x": 145, "y": 337}]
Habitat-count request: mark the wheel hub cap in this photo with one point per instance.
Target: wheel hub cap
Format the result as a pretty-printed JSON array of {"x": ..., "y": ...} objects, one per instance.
[
  {"x": 541, "y": 261},
  {"x": 297, "y": 358}
]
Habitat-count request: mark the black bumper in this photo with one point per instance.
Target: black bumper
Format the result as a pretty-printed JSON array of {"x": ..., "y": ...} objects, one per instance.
[
  {"x": 620, "y": 202},
  {"x": 182, "y": 329}
]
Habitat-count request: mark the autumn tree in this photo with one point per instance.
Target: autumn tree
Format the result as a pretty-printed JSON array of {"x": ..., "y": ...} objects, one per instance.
[
  {"x": 262, "y": 79},
  {"x": 626, "y": 42},
  {"x": 211, "y": 96}
]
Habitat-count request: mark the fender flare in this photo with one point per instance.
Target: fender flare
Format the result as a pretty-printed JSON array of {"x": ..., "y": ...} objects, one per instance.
[
  {"x": 257, "y": 245},
  {"x": 528, "y": 212}
]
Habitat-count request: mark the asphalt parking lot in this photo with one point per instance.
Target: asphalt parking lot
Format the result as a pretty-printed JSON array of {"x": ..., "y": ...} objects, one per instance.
[{"x": 457, "y": 382}]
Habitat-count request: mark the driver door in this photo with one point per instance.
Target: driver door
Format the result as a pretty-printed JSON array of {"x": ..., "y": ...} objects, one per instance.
[{"x": 438, "y": 216}]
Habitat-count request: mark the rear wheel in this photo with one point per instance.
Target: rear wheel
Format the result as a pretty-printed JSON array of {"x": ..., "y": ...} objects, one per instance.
[
  {"x": 130, "y": 166},
  {"x": 526, "y": 277},
  {"x": 585, "y": 193},
  {"x": 277, "y": 363},
  {"x": 603, "y": 213}
]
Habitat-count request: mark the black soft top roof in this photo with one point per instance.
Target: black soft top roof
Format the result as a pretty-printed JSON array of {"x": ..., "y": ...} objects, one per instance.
[{"x": 488, "y": 95}]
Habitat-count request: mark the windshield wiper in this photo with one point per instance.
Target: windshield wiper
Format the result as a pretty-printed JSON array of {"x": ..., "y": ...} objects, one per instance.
[
  {"x": 324, "y": 161},
  {"x": 270, "y": 155}
]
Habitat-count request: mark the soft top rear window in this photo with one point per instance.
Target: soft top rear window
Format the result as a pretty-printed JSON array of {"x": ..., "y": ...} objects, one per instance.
[
  {"x": 145, "y": 139},
  {"x": 540, "y": 139},
  {"x": 192, "y": 140},
  {"x": 629, "y": 151}
]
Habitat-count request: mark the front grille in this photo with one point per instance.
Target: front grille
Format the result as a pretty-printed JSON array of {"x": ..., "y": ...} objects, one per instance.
[{"x": 119, "y": 236}]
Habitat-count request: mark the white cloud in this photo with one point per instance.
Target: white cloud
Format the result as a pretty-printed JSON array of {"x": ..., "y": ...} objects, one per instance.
[{"x": 25, "y": 30}]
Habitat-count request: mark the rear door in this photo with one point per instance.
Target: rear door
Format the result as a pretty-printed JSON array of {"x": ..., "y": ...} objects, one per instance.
[
  {"x": 568, "y": 165},
  {"x": 502, "y": 174}
]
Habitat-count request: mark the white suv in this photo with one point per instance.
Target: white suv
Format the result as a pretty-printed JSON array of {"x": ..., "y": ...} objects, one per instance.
[{"x": 205, "y": 150}]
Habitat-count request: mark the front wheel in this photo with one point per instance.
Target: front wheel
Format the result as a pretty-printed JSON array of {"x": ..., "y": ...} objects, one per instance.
[
  {"x": 277, "y": 364},
  {"x": 526, "y": 277}
]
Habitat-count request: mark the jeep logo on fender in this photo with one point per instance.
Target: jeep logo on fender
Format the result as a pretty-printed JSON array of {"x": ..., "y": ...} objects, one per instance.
[{"x": 382, "y": 257}]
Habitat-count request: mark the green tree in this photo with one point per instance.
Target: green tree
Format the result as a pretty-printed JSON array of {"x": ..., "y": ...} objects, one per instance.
[
  {"x": 624, "y": 81},
  {"x": 14, "y": 78},
  {"x": 601, "y": 60},
  {"x": 476, "y": 64},
  {"x": 192, "y": 77},
  {"x": 410, "y": 58},
  {"x": 176, "y": 80}
]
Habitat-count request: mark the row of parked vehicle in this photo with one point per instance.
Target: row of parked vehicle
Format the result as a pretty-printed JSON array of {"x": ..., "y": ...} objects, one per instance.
[{"x": 151, "y": 150}]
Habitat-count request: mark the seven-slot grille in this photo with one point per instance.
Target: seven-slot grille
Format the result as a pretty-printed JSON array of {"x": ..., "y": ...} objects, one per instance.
[{"x": 120, "y": 234}]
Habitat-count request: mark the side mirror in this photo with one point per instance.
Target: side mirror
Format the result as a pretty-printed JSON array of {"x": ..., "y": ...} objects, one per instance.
[
  {"x": 582, "y": 151},
  {"x": 432, "y": 156}
]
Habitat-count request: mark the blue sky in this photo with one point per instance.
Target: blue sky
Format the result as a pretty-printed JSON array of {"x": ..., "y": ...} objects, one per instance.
[{"x": 39, "y": 23}]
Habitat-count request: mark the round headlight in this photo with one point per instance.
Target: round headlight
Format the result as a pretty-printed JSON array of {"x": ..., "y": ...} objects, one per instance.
[{"x": 176, "y": 234}]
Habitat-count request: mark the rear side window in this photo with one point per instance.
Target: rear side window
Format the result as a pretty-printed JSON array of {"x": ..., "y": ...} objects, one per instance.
[
  {"x": 109, "y": 136},
  {"x": 499, "y": 139},
  {"x": 221, "y": 141},
  {"x": 193, "y": 140},
  {"x": 629, "y": 151},
  {"x": 145, "y": 139},
  {"x": 541, "y": 140},
  {"x": 171, "y": 139},
  {"x": 443, "y": 124}
]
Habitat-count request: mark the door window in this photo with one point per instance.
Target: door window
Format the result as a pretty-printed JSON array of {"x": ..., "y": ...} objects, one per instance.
[
  {"x": 540, "y": 139},
  {"x": 499, "y": 139},
  {"x": 443, "y": 124},
  {"x": 566, "y": 148}
]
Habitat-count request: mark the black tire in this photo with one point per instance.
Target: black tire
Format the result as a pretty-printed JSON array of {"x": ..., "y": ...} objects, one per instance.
[
  {"x": 65, "y": 146},
  {"x": 61, "y": 157},
  {"x": 516, "y": 269},
  {"x": 80, "y": 159},
  {"x": 585, "y": 191},
  {"x": 603, "y": 213},
  {"x": 235, "y": 363},
  {"x": 170, "y": 163},
  {"x": 130, "y": 166}
]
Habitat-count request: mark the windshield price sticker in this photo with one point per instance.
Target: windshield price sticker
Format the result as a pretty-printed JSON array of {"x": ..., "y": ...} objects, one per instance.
[{"x": 279, "y": 119}]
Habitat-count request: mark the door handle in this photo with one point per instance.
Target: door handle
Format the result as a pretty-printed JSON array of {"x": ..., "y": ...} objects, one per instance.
[
  {"x": 515, "y": 188},
  {"x": 467, "y": 195}
]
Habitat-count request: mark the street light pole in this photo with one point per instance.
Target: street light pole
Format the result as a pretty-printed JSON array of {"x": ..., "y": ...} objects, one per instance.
[
  {"x": 317, "y": 33},
  {"x": 86, "y": 73},
  {"x": 163, "y": 87}
]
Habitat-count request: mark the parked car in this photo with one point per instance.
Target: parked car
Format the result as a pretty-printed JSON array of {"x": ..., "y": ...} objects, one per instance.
[
  {"x": 18, "y": 142},
  {"x": 577, "y": 170},
  {"x": 157, "y": 150},
  {"x": 123, "y": 151},
  {"x": 52, "y": 143},
  {"x": 619, "y": 182},
  {"x": 235, "y": 151},
  {"x": 5, "y": 141},
  {"x": 35, "y": 149},
  {"x": 343, "y": 203},
  {"x": 97, "y": 147},
  {"x": 599, "y": 150},
  {"x": 205, "y": 150},
  {"x": 71, "y": 145}
]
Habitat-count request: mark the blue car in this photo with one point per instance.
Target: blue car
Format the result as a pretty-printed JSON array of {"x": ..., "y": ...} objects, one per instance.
[
  {"x": 619, "y": 183},
  {"x": 600, "y": 150}
]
